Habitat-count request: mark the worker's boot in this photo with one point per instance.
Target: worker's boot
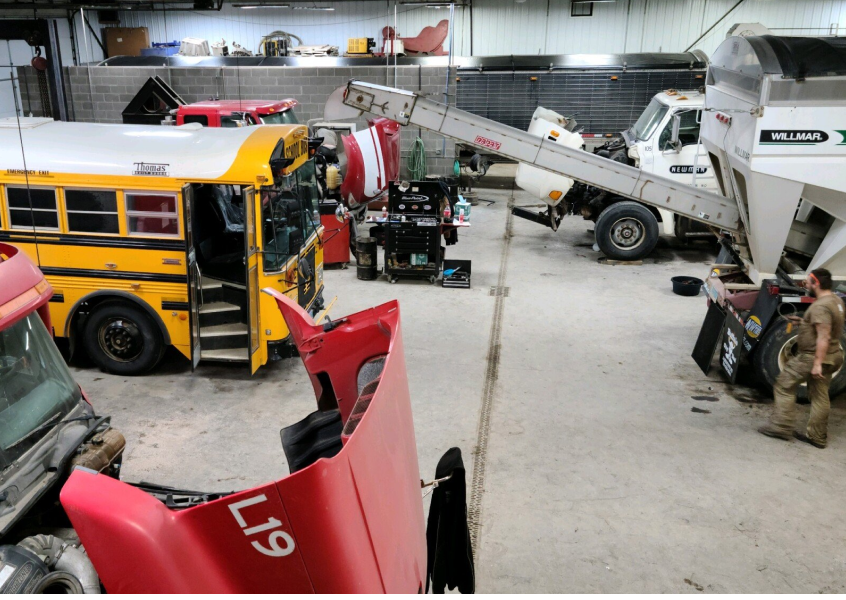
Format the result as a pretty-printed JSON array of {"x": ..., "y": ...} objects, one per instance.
[
  {"x": 804, "y": 438},
  {"x": 772, "y": 432}
]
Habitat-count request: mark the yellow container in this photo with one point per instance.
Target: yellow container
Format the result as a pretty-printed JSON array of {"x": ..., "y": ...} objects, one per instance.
[
  {"x": 333, "y": 177},
  {"x": 357, "y": 46}
]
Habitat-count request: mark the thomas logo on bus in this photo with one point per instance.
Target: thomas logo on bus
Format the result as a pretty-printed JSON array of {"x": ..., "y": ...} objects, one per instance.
[{"x": 151, "y": 169}]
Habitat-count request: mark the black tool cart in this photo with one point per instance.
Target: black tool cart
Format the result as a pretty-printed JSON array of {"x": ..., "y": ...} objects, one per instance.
[{"x": 413, "y": 230}]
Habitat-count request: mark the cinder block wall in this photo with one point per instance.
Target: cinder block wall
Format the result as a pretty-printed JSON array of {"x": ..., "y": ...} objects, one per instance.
[{"x": 101, "y": 94}]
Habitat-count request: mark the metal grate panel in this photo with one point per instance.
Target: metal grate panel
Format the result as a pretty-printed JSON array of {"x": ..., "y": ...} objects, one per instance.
[{"x": 600, "y": 104}]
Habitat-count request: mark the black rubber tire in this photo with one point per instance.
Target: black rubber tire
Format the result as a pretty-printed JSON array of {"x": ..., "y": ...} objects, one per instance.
[
  {"x": 765, "y": 357},
  {"x": 643, "y": 219},
  {"x": 152, "y": 349}
]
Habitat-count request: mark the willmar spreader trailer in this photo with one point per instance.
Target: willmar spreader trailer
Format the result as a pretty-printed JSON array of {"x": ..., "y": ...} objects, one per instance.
[
  {"x": 775, "y": 132},
  {"x": 773, "y": 109}
]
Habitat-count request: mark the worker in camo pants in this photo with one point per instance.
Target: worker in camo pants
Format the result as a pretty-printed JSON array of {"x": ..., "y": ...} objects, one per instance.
[{"x": 818, "y": 357}]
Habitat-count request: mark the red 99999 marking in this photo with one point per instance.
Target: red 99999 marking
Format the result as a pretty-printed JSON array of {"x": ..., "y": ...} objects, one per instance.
[{"x": 483, "y": 141}]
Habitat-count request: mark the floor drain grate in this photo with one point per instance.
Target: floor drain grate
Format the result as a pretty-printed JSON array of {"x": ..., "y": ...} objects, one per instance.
[{"x": 477, "y": 485}]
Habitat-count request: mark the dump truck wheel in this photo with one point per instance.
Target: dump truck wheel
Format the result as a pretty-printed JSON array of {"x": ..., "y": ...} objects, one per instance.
[
  {"x": 626, "y": 231},
  {"x": 777, "y": 347},
  {"x": 122, "y": 339}
]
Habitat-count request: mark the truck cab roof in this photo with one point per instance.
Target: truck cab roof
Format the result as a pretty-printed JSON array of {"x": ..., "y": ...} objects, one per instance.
[
  {"x": 227, "y": 107},
  {"x": 685, "y": 98}
]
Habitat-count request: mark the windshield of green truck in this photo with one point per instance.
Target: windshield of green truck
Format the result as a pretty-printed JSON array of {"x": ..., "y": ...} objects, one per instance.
[
  {"x": 649, "y": 120},
  {"x": 36, "y": 387}
]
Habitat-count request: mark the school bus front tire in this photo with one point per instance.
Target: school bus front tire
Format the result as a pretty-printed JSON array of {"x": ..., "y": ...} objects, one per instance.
[{"x": 122, "y": 339}]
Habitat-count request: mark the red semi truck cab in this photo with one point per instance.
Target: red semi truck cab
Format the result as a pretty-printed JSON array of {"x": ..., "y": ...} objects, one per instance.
[
  {"x": 47, "y": 428},
  {"x": 24, "y": 289},
  {"x": 238, "y": 113}
]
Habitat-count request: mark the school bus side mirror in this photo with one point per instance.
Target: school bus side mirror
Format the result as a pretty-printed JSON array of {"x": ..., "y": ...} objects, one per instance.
[
  {"x": 313, "y": 144},
  {"x": 278, "y": 164}
]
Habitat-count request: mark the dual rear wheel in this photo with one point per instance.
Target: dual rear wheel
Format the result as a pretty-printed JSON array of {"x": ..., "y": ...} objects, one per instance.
[{"x": 777, "y": 347}]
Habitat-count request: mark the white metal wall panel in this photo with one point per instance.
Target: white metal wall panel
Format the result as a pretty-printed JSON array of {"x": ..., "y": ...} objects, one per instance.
[
  {"x": 88, "y": 48},
  {"x": 506, "y": 27},
  {"x": 805, "y": 17},
  {"x": 18, "y": 53},
  {"x": 247, "y": 26},
  {"x": 24, "y": 57},
  {"x": 502, "y": 27},
  {"x": 12, "y": 54},
  {"x": 664, "y": 25},
  {"x": 600, "y": 33}
]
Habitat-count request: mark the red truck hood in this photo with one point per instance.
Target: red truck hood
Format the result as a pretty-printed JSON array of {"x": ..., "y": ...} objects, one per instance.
[{"x": 349, "y": 523}]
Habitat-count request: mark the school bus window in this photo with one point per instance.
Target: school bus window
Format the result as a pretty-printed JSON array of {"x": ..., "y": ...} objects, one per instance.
[
  {"x": 281, "y": 217},
  {"x": 92, "y": 211},
  {"x": 41, "y": 214},
  {"x": 151, "y": 214}
]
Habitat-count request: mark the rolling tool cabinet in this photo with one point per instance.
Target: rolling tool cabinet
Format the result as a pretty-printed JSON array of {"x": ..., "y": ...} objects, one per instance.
[{"x": 413, "y": 231}]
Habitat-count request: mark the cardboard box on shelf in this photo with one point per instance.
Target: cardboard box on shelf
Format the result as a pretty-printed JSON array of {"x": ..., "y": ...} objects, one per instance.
[{"x": 126, "y": 41}]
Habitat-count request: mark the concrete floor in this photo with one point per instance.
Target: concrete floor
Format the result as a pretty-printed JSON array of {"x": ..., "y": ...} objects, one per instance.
[{"x": 598, "y": 477}]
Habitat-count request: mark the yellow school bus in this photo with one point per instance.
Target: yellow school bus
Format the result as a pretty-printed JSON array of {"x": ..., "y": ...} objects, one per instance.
[{"x": 155, "y": 236}]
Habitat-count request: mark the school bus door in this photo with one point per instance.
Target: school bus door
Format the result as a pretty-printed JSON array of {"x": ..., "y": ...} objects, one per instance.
[
  {"x": 251, "y": 253},
  {"x": 194, "y": 277}
]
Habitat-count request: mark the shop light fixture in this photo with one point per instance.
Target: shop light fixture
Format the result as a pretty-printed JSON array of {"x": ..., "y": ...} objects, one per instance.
[
  {"x": 431, "y": 4},
  {"x": 264, "y": 5}
]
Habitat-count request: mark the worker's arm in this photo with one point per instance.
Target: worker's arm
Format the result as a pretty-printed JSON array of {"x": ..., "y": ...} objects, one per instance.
[{"x": 823, "y": 338}]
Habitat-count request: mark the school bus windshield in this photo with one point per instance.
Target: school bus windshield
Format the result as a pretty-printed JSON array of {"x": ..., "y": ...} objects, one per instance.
[{"x": 289, "y": 216}]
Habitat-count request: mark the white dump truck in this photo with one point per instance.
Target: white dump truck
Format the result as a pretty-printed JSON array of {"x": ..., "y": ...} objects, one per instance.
[
  {"x": 774, "y": 127},
  {"x": 664, "y": 140}
]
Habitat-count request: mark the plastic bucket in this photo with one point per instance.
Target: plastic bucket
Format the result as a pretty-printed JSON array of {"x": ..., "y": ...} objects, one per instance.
[{"x": 684, "y": 285}]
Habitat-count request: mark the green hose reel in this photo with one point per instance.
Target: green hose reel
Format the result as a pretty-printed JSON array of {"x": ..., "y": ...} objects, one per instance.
[{"x": 417, "y": 160}]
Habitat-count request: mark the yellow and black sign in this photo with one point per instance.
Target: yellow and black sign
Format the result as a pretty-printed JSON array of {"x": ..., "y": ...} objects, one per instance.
[{"x": 296, "y": 149}]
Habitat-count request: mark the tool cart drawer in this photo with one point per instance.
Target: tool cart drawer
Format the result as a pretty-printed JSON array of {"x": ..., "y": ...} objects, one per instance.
[{"x": 410, "y": 237}]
